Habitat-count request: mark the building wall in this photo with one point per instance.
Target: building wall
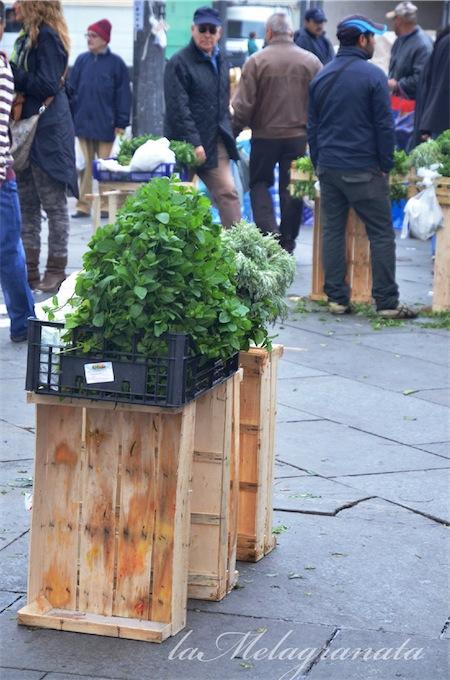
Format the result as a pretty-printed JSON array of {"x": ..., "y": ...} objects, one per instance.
[{"x": 179, "y": 18}]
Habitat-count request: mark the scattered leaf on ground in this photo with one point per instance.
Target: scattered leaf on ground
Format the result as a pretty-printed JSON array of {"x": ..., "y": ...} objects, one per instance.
[
  {"x": 21, "y": 482},
  {"x": 409, "y": 418},
  {"x": 406, "y": 392},
  {"x": 309, "y": 568},
  {"x": 238, "y": 586},
  {"x": 293, "y": 574},
  {"x": 279, "y": 529},
  {"x": 338, "y": 554}
]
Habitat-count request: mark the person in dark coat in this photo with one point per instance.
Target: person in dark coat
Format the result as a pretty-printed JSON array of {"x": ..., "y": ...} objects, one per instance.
[
  {"x": 432, "y": 115},
  {"x": 39, "y": 64},
  {"x": 312, "y": 36},
  {"x": 197, "y": 95},
  {"x": 409, "y": 52},
  {"x": 351, "y": 138},
  {"x": 102, "y": 103}
]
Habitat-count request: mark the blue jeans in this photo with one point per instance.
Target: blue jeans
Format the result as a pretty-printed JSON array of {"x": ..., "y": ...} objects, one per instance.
[{"x": 13, "y": 271}]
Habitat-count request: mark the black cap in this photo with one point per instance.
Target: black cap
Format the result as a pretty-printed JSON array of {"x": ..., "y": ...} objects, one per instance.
[
  {"x": 316, "y": 14},
  {"x": 207, "y": 15}
]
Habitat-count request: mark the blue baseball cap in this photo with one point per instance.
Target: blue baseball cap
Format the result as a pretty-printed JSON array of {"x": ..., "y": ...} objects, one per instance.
[
  {"x": 315, "y": 14},
  {"x": 207, "y": 15},
  {"x": 355, "y": 24}
]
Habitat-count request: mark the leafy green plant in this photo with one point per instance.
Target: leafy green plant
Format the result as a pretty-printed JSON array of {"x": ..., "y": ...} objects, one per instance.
[
  {"x": 304, "y": 188},
  {"x": 184, "y": 152},
  {"x": 264, "y": 273},
  {"x": 425, "y": 154},
  {"x": 161, "y": 267},
  {"x": 443, "y": 141}
]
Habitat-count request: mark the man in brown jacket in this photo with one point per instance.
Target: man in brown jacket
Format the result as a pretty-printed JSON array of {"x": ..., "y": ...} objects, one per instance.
[{"x": 272, "y": 99}]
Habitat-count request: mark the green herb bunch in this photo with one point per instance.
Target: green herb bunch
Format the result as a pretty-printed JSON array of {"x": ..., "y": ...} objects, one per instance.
[
  {"x": 399, "y": 173},
  {"x": 425, "y": 154},
  {"x": 443, "y": 141},
  {"x": 264, "y": 273},
  {"x": 161, "y": 267},
  {"x": 184, "y": 152},
  {"x": 304, "y": 188}
]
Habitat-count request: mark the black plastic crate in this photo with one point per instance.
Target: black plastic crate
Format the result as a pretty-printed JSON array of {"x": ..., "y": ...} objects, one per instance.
[
  {"x": 163, "y": 170},
  {"x": 58, "y": 368}
]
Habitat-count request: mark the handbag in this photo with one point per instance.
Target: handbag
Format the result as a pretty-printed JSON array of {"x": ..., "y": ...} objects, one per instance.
[{"x": 22, "y": 134}]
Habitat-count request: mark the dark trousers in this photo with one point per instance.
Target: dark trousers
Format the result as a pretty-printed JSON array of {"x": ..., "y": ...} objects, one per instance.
[
  {"x": 265, "y": 154},
  {"x": 368, "y": 193}
]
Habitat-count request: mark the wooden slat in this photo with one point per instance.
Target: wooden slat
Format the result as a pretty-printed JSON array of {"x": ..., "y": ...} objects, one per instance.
[
  {"x": 136, "y": 514},
  {"x": 359, "y": 270},
  {"x": 441, "y": 283},
  {"x": 54, "y": 535},
  {"x": 317, "y": 268},
  {"x": 98, "y": 514},
  {"x": 33, "y": 398},
  {"x": 233, "y": 505},
  {"x": 94, "y": 624}
]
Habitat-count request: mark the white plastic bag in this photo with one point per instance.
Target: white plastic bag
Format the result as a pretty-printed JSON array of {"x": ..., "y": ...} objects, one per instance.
[
  {"x": 151, "y": 154},
  {"x": 79, "y": 156},
  {"x": 423, "y": 214}
]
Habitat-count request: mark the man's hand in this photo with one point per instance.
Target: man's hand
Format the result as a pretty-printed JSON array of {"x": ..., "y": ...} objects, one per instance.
[
  {"x": 392, "y": 84},
  {"x": 118, "y": 132},
  {"x": 200, "y": 154}
]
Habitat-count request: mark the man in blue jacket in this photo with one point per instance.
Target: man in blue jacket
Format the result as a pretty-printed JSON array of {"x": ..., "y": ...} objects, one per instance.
[
  {"x": 351, "y": 138},
  {"x": 102, "y": 105},
  {"x": 312, "y": 36}
]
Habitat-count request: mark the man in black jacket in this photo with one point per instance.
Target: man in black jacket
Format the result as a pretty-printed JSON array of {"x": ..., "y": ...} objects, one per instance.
[
  {"x": 312, "y": 36},
  {"x": 351, "y": 138},
  {"x": 197, "y": 95}
]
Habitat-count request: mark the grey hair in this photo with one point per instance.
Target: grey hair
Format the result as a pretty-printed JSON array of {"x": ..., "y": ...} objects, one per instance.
[{"x": 279, "y": 24}]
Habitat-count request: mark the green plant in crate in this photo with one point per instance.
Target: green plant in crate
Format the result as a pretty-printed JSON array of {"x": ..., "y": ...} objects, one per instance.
[
  {"x": 184, "y": 152},
  {"x": 264, "y": 273},
  {"x": 398, "y": 176},
  {"x": 443, "y": 142},
  {"x": 161, "y": 267},
  {"x": 304, "y": 188}
]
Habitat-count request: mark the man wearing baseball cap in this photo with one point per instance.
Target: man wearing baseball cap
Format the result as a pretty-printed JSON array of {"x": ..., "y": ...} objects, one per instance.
[
  {"x": 351, "y": 139},
  {"x": 409, "y": 52},
  {"x": 312, "y": 36},
  {"x": 102, "y": 104},
  {"x": 197, "y": 96}
]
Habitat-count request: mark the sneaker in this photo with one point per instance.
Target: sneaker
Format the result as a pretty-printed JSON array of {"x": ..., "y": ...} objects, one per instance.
[
  {"x": 79, "y": 213},
  {"x": 336, "y": 308},
  {"x": 19, "y": 338},
  {"x": 399, "y": 312}
]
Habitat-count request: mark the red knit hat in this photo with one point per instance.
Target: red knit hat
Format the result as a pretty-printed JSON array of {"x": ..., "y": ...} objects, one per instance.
[{"x": 102, "y": 28}]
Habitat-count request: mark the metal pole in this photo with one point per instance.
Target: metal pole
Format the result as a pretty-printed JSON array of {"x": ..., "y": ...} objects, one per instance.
[{"x": 148, "y": 70}]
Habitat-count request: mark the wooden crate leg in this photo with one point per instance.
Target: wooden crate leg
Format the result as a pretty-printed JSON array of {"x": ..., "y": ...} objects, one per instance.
[
  {"x": 441, "y": 284},
  {"x": 208, "y": 557},
  {"x": 317, "y": 268},
  {"x": 359, "y": 270},
  {"x": 96, "y": 212}
]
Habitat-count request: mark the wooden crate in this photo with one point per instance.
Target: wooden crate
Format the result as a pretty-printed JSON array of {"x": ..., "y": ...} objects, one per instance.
[
  {"x": 359, "y": 270},
  {"x": 111, "y": 518},
  {"x": 441, "y": 283},
  {"x": 257, "y": 435},
  {"x": 212, "y": 557}
]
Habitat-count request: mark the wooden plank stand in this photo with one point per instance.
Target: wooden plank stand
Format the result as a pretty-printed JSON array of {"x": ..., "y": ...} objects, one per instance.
[
  {"x": 257, "y": 435},
  {"x": 359, "y": 270},
  {"x": 212, "y": 556},
  {"x": 111, "y": 518},
  {"x": 441, "y": 283}
]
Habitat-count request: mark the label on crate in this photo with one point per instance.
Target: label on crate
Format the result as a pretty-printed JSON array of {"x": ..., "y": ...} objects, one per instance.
[{"x": 100, "y": 372}]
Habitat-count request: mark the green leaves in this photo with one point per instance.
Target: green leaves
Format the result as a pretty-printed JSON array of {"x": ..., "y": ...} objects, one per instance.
[{"x": 162, "y": 266}]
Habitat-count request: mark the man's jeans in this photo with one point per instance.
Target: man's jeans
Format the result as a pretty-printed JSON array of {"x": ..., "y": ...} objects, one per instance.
[
  {"x": 368, "y": 193},
  {"x": 13, "y": 271},
  {"x": 265, "y": 154}
]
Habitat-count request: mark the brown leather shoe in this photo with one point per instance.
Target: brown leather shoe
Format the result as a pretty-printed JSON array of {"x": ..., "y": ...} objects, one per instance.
[{"x": 54, "y": 274}]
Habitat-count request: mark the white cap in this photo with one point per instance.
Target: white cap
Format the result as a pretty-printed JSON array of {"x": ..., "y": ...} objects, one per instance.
[{"x": 403, "y": 9}]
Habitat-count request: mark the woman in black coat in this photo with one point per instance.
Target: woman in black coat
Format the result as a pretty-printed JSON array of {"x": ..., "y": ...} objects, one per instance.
[{"x": 39, "y": 64}]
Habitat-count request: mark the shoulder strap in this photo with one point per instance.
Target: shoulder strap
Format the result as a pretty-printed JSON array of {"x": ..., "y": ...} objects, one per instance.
[{"x": 326, "y": 91}]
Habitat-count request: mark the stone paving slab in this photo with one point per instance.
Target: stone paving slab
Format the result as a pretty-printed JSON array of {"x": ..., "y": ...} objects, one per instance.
[
  {"x": 17, "y": 411},
  {"x": 362, "y": 363},
  {"x": 425, "y": 492},
  {"x": 434, "y": 347},
  {"x": 14, "y": 565},
  {"x": 289, "y": 414},
  {"x": 15, "y": 443},
  {"x": 331, "y": 449},
  {"x": 7, "y": 599},
  {"x": 371, "y": 409},
  {"x": 354, "y": 573},
  {"x": 313, "y": 494},
  {"x": 441, "y": 448},
  {"x": 425, "y": 659},
  {"x": 101, "y": 657},
  {"x": 287, "y": 369},
  {"x": 15, "y": 517},
  {"x": 20, "y": 674},
  {"x": 435, "y": 396},
  {"x": 14, "y": 366}
]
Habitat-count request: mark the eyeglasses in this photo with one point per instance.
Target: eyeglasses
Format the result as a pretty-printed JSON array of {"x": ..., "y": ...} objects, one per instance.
[
  {"x": 207, "y": 28},
  {"x": 91, "y": 35}
]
